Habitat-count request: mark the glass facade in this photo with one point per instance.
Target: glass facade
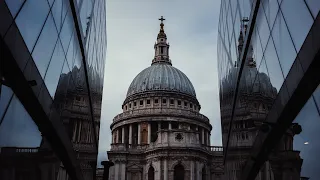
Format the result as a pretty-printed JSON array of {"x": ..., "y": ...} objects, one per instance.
[
  {"x": 51, "y": 70},
  {"x": 264, "y": 50}
]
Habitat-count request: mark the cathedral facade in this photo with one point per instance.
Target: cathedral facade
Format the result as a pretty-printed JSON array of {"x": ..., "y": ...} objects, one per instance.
[{"x": 161, "y": 134}]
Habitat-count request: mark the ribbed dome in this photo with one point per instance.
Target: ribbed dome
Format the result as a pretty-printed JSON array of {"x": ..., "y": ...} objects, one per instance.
[{"x": 159, "y": 77}]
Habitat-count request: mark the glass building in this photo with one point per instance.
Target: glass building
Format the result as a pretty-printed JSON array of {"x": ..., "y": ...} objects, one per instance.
[
  {"x": 268, "y": 65},
  {"x": 52, "y": 57}
]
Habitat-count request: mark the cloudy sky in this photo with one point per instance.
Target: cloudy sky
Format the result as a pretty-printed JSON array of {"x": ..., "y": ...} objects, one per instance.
[{"x": 132, "y": 26}]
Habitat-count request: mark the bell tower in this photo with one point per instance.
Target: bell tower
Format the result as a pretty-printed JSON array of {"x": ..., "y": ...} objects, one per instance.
[{"x": 161, "y": 47}]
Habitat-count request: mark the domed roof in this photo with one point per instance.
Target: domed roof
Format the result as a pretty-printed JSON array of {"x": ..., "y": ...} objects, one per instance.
[{"x": 160, "y": 77}]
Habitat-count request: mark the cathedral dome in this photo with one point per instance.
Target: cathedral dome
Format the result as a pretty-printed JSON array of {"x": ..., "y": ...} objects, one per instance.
[{"x": 161, "y": 77}]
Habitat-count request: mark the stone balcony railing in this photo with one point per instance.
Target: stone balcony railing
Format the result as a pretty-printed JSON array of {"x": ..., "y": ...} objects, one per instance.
[
  {"x": 144, "y": 147},
  {"x": 160, "y": 111}
]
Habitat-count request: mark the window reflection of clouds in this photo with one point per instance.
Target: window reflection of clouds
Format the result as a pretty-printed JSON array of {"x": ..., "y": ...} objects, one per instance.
[
  {"x": 45, "y": 45},
  {"x": 298, "y": 23},
  {"x": 30, "y": 20},
  {"x": 309, "y": 120},
  {"x": 17, "y": 128}
]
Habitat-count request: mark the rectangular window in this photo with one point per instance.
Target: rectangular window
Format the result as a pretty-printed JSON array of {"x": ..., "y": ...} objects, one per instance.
[
  {"x": 179, "y": 102},
  {"x": 130, "y": 105},
  {"x": 164, "y": 101},
  {"x": 185, "y": 103},
  {"x": 161, "y": 49},
  {"x": 134, "y": 103},
  {"x": 171, "y": 101},
  {"x": 141, "y": 102},
  {"x": 156, "y": 101},
  {"x": 191, "y": 105},
  {"x": 148, "y": 101}
]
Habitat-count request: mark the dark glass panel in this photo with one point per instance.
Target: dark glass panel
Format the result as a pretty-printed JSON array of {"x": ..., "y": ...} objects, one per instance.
[
  {"x": 307, "y": 142},
  {"x": 6, "y": 94},
  {"x": 52, "y": 76},
  {"x": 45, "y": 46},
  {"x": 31, "y": 19},
  {"x": 283, "y": 44},
  {"x": 298, "y": 23},
  {"x": 14, "y": 6},
  {"x": 314, "y": 6},
  {"x": 17, "y": 128},
  {"x": 273, "y": 66}
]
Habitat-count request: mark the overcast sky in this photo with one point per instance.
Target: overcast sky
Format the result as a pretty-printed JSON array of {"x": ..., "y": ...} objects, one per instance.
[{"x": 132, "y": 27}]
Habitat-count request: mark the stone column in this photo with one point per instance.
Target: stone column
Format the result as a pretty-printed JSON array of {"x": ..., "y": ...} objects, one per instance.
[
  {"x": 122, "y": 137},
  {"x": 130, "y": 134},
  {"x": 202, "y": 139},
  {"x": 208, "y": 138},
  {"x": 149, "y": 133},
  {"x": 139, "y": 133},
  {"x": 118, "y": 138},
  {"x": 165, "y": 169},
  {"x": 170, "y": 126},
  {"x": 123, "y": 171},
  {"x": 192, "y": 170},
  {"x": 159, "y": 126},
  {"x": 116, "y": 171}
]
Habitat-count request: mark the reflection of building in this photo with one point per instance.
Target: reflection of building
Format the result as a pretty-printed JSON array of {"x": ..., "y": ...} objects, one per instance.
[
  {"x": 161, "y": 134},
  {"x": 51, "y": 72},
  {"x": 268, "y": 88}
]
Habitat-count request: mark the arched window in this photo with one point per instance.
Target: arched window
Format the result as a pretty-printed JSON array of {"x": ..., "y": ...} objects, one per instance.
[
  {"x": 203, "y": 173},
  {"x": 151, "y": 173},
  {"x": 179, "y": 172}
]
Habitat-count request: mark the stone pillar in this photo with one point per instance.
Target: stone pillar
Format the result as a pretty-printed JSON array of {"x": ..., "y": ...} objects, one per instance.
[
  {"x": 202, "y": 139},
  {"x": 130, "y": 134},
  {"x": 159, "y": 126},
  {"x": 170, "y": 126},
  {"x": 149, "y": 133},
  {"x": 123, "y": 171},
  {"x": 199, "y": 170},
  {"x": 118, "y": 138},
  {"x": 122, "y": 137},
  {"x": 165, "y": 169},
  {"x": 139, "y": 133},
  {"x": 116, "y": 171},
  {"x": 192, "y": 170}
]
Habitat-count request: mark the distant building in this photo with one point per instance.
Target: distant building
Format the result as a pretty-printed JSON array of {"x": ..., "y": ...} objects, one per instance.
[
  {"x": 268, "y": 61},
  {"x": 51, "y": 70},
  {"x": 161, "y": 134}
]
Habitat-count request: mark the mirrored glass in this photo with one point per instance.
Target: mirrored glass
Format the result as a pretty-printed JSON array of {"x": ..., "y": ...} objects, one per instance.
[
  {"x": 245, "y": 8},
  {"x": 263, "y": 28},
  {"x": 257, "y": 49},
  {"x": 14, "y": 6},
  {"x": 298, "y": 23},
  {"x": 314, "y": 6},
  {"x": 6, "y": 94},
  {"x": 59, "y": 10},
  {"x": 316, "y": 96},
  {"x": 270, "y": 8},
  {"x": 17, "y": 128},
  {"x": 283, "y": 44},
  {"x": 45, "y": 45},
  {"x": 54, "y": 69},
  {"x": 273, "y": 66},
  {"x": 85, "y": 15},
  {"x": 66, "y": 31},
  {"x": 264, "y": 82},
  {"x": 31, "y": 19},
  {"x": 307, "y": 142}
]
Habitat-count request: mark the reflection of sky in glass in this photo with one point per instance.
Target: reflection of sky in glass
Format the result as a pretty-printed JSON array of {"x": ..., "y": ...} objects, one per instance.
[
  {"x": 17, "y": 128},
  {"x": 6, "y": 94},
  {"x": 30, "y": 20},
  {"x": 314, "y": 6},
  {"x": 308, "y": 140},
  {"x": 14, "y": 6}
]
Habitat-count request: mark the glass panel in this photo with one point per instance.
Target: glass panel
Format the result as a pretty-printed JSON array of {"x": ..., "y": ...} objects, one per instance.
[
  {"x": 314, "y": 6},
  {"x": 316, "y": 95},
  {"x": 6, "y": 94},
  {"x": 273, "y": 66},
  {"x": 59, "y": 10},
  {"x": 283, "y": 44},
  {"x": 257, "y": 49},
  {"x": 298, "y": 23},
  {"x": 31, "y": 19},
  {"x": 54, "y": 70},
  {"x": 263, "y": 28},
  {"x": 45, "y": 45},
  {"x": 66, "y": 31},
  {"x": 307, "y": 142},
  {"x": 14, "y": 6},
  {"x": 270, "y": 8},
  {"x": 245, "y": 8},
  {"x": 85, "y": 15},
  {"x": 17, "y": 128}
]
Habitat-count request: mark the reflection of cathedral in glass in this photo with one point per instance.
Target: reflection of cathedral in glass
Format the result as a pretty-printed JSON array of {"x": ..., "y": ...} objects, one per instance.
[
  {"x": 161, "y": 133},
  {"x": 255, "y": 98}
]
